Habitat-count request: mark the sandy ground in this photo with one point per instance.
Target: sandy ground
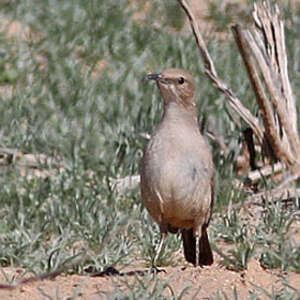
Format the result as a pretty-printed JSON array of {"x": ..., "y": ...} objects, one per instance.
[{"x": 209, "y": 281}]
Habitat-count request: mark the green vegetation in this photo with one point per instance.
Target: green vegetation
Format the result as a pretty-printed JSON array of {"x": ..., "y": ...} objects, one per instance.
[{"x": 72, "y": 88}]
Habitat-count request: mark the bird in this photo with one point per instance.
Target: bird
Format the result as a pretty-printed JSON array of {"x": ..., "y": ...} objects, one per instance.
[{"x": 177, "y": 170}]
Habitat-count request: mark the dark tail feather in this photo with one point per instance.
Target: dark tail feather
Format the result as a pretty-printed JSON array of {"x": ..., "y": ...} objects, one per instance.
[{"x": 189, "y": 247}]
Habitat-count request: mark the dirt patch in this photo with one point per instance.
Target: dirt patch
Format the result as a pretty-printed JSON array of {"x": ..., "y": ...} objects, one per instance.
[{"x": 209, "y": 282}]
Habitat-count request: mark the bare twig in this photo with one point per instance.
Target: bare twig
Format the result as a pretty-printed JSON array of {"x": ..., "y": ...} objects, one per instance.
[
  {"x": 282, "y": 190},
  {"x": 122, "y": 184},
  {"x": 275, "y": 94},
  {"x": 273, "y": 27},
  {"x": 266, "y": 171},
  {"x": 210, "y": 70},
  {"x": 31, "y": 165},
  {"x": 245, "y": 43},
  {"x": 264, "y": 54},
  {"x": 282, "y": 194},
  {"x": 267, "y": 44}
]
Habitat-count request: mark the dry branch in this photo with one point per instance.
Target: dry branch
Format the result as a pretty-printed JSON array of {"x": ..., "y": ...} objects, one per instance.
[
  {"x": 246, "y": 43},
  {"x": 266, "y": 171},
  {"x": 264, "y": 53},
  {"x": 30, "y": 165},
  {"x": 278, "y": 55},
  {"x": 120, "y": 185},
  {"x": 282, "y": 194},
  {"x": 210, "y": 70}
]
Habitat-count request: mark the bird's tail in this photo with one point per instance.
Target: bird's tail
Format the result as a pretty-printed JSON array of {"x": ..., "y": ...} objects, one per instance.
[{"x": 189, "y": 247}]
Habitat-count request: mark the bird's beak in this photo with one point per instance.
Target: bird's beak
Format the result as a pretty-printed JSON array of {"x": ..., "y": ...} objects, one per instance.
[{"x": 155, "y": 77}]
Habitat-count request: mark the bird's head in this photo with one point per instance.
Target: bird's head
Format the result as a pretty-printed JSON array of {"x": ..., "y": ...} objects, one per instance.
[{"x": 175, "y": 85}]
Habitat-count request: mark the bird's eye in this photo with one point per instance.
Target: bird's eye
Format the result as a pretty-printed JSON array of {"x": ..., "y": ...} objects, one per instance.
[{"x": 180, "y": 80}]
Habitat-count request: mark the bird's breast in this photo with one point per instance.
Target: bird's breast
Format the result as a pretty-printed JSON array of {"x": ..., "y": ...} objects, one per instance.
[{"x": 177, "y": 174}]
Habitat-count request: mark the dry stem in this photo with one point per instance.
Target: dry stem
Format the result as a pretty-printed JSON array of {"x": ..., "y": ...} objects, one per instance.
[{"x": 210, "y": 70}]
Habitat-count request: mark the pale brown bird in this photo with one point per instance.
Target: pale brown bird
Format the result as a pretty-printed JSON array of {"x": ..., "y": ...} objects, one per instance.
[{"x": 177, "y": 171}]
